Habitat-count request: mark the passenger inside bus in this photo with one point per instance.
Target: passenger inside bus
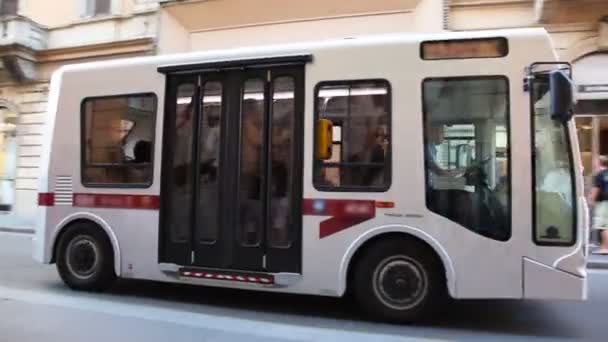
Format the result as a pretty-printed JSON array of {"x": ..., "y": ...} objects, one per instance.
[
  {"x": 466, "y": 153},
  {"x": 359, "y": 112},
  {"x": 118, "y": 138}
]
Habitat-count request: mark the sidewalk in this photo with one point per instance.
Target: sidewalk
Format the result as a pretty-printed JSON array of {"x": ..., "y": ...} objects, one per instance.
[{"x": 597, "y": 261}]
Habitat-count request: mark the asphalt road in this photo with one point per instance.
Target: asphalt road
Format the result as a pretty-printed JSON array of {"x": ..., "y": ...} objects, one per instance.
[{"x": 36, "y": 306}]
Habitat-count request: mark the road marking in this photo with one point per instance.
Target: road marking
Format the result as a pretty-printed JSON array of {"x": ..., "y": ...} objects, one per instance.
[{"x": 194, "y": 319}]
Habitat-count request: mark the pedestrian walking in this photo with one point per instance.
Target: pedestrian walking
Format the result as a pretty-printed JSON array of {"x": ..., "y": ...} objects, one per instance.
[{"x": 599, "y": 200}]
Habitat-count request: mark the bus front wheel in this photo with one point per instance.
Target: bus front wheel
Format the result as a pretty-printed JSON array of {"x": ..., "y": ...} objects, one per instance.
[
  {"x": 399, "y": 280},
  {"x": 85, "y": 258}
]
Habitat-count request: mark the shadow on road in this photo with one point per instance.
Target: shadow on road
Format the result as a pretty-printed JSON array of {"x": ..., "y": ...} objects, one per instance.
[{"x": 459, "y": 319}]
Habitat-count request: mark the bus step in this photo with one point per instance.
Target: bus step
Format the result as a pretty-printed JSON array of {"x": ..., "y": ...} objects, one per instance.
[{"x": 244, "y": 277}]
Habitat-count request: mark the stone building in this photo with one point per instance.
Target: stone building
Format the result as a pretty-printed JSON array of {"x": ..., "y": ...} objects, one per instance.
[{"x": 37, "y": 37}]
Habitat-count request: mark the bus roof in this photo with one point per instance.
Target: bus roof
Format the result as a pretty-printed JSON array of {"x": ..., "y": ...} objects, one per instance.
[{"x": 251, "y": 52}]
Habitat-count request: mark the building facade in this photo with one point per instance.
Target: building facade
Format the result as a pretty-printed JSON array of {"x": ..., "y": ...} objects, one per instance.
[
  {"x": 189, "y": 25},
  {"x": 36, "y": 38}
]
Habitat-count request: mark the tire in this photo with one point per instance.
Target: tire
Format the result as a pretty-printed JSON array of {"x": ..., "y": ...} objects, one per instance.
[
  {"x": 399, "y": 280},
  {"x": 85, "y": 258}
]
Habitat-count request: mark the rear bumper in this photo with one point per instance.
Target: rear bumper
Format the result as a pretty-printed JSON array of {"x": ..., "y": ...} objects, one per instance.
[
  {"x": 40, "y": 249},
  {"x": 545, "y": 282}
]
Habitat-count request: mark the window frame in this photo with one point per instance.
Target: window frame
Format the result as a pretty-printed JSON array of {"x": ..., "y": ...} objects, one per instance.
[
  {"x": 509, "y": 141},
  {"x": 83, "y": 163},
  {"x": 318, "y": 164},
  {"x": 534, "y": 184}
]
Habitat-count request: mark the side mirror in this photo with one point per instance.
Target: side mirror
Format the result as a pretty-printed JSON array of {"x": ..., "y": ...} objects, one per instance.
[
  {"x": 561, "y": 96},
  {"x": 324, "y": 139}
]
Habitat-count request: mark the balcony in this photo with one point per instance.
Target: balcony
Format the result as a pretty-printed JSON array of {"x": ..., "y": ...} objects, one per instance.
[{"x": 20, "y": 40}]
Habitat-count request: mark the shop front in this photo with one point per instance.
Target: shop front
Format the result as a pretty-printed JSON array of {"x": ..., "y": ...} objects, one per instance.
[{"x": 591, "y": 76}]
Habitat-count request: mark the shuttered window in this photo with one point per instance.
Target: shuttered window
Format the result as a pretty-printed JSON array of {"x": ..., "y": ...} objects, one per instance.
[
  {"x": 98, "y": 7},
  {"x": 9, "y": 7}
]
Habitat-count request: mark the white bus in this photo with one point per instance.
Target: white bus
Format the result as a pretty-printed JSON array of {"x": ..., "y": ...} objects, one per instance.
[{"x": 398, "y": 167}]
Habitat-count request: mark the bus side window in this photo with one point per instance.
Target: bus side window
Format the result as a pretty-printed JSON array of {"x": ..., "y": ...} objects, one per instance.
[
  {"x": 360, "y": 115},
  {"x": 118, "y": 134}
]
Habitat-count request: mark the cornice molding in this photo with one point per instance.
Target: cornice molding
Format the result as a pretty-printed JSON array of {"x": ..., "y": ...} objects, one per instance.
[{"x": 137, "y": 45}]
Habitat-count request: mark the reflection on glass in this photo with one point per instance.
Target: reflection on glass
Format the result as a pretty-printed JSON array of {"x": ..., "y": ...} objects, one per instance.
[
  {"x": 584, "y": 130},
  {"x": 466, "y": 151},
  {"x": 209, "y": 158},
  {"x": 182, "y": 178},
  {"x": 359, "y": 113},
  {"x": 554, "y": 183},
  {"x": 250, "y": 177},
  {"x": 118, "y": 139},
  {"x": 283, "y": 111}
]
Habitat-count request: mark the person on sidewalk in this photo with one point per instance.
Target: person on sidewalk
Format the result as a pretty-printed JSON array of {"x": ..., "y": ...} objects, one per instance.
[{"x": 599, "y": 200}]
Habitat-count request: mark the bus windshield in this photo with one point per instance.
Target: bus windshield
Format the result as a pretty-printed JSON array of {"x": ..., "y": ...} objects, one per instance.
[{"x": 554, "y": 195}]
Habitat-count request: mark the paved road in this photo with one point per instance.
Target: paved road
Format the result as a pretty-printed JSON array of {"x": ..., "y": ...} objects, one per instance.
[{"x": 35, "y": 306}]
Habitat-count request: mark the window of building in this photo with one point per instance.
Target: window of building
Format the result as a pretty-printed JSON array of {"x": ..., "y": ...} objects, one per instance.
[
  {"x": 98, "y": 7},
  {"x": 360, "y": 114},
  {"x": 9, "y": 7},
  {"x": 466, "y": 125},
  {"x": 118, "y": 140}
]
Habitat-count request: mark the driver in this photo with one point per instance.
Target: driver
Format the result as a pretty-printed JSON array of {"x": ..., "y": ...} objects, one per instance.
[{"x": 434, "y": 135}]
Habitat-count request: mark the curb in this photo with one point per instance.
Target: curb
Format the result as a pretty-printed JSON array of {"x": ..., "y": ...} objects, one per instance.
[
  {"x": 594, "y": 265},
  {"x": 17, "y": 230}
]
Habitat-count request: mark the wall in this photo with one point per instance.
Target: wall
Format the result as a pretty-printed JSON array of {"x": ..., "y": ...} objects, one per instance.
[
  {"x": 51, "y": 13},
  {"x": 300, "y": 31},
  {"x": 172, "y": 36},
  {"x": 234, "y": 23}
]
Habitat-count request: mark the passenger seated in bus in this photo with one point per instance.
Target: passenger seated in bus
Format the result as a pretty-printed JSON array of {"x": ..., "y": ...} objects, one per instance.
[
  {"x": 434, "y": 134},
  {"x": 142, "y": 153},
  {"x": 453, "y": 204},
  {"x": 372, "y": 156}
]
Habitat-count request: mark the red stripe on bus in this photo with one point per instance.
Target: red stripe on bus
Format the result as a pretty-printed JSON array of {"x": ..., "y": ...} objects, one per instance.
[
  {"x": 344, "y": 213},
  {"x": 121, "y": 201},
  {"x": 46, "y": 199}
]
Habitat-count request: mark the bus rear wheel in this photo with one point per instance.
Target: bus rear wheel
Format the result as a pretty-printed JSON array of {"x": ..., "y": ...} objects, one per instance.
[
  {"x": 399, "y": 280},
  {"x": 85, "y": 258}
]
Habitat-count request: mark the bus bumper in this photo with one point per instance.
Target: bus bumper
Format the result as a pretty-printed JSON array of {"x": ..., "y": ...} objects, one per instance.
[
  {"x": 545, "y": 282},
  {"x": 40, "y": 249}
]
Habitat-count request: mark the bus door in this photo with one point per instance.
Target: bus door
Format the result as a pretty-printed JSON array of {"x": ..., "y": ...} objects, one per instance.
[{"x": 232, "y": 160}]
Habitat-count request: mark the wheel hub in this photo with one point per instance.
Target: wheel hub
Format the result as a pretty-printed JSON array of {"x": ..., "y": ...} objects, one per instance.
[
  {"x": 82, "y": 257},
  {"x": 400, "y": 282}
]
